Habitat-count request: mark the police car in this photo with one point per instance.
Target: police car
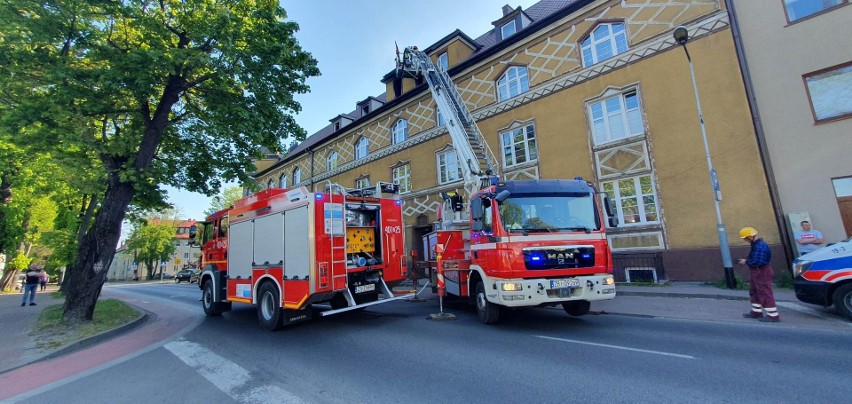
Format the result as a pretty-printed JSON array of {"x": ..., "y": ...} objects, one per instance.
[{"x": 824, "y": 277}]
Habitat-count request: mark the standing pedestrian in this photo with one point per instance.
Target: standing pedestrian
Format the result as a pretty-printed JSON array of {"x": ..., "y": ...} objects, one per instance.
[
  {"x": 33, "y": 277},
  {"x": 42, "y": 282},
  {"x": 760, "y": 277},
  {"x": 808, "y": 239}
]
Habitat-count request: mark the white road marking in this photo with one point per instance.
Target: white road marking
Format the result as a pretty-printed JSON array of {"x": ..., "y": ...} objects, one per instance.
[
  {"x": 618, "y": 347},
  {"x": 227, "y": 376}
]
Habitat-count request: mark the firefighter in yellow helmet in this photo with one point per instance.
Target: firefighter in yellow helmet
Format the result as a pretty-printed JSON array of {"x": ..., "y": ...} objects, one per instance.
[{"x": 760, "y": 277}]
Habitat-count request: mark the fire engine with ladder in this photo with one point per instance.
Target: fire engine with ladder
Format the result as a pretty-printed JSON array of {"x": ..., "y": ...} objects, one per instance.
[
  {"x": 524, "y": 243},
  {"x": 285, "y": 250}
]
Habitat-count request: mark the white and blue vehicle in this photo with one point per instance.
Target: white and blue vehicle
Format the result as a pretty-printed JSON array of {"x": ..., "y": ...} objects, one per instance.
[{"x": 824, "y": 277}]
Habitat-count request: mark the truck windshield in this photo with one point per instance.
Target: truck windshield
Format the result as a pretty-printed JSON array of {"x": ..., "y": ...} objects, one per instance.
[{"x": 551, "y": 213}]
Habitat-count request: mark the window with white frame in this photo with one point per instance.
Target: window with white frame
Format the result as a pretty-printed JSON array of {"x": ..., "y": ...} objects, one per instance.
[
  {"x": 635, "y": 199},
  {"x": 363, "y": 182},
  {"x": 402, "y": 176},
  {"x": 442, "y": 61},
  {"x": 449, "y": 169},
  {"x": 297, "y": 176},
  {"x": 508, "y": 29},
  {"x": 270, "y": 184},
  {"x": 331, "y": 161},
  {"x": 616, "y": 118},
  {"x": 519, "y": 146},
  {"x": 798, "y": 9},
  {"x": 400, "y": 131},
  {"x": 514, "y": 82},
  {"x": 606, "y": 41},
  {"x": 830, "y": 92},
  {"x": 282, "y": 182},
  {"x": 440, "y": 119},
  {"x": 361, "y": 148}
]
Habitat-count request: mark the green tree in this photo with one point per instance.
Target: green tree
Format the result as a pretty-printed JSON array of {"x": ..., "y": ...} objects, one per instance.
[
  {"x": 152, "y": 242},
  {"x": 176, "y": 92},
  {"x": 224, "y": 199}
]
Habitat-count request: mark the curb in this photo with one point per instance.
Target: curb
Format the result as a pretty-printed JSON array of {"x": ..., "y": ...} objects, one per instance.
[
  {"x": 692, "y": 296},
  {"x": 89, "y": 341}
]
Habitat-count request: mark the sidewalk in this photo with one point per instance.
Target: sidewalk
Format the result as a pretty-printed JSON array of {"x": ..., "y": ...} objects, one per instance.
[{"x": 683, "y": 300}]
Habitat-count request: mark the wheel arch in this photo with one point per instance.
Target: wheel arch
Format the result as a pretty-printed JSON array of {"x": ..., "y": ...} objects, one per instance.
[{"x": 259, "y": 283}]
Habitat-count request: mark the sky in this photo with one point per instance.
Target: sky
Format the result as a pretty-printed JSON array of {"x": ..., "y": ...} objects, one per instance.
[{"x": 353, "y": 43}]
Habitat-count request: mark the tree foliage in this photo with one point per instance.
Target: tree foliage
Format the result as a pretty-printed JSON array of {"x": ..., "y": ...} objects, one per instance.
[
  {"x": 224, "y": 199},
  {"x": 177, "y": 92},
  {"x": 152, "y": 242}
]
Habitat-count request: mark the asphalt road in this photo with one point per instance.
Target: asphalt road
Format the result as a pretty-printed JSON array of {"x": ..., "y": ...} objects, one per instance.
[{"x": 391, "y": 353}]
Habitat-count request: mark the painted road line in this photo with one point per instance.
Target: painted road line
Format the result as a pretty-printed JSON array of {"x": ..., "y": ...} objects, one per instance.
[
  {"x": 227, "y": 376},
  {"x": 625, "y": 348}
]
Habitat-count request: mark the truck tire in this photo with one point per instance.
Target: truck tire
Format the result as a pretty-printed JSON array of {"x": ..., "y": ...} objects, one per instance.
[
  {"x": 211, "y": 307},
  {"x": 269, "y": 310},
  {"x": 489, "y": 313},
  {"x": 577, "y": 308},
  {"x": 843, "y": 300}
]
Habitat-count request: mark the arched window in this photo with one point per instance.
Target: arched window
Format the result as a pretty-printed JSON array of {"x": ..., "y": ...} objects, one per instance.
[
  {"x": 297, "y": 176},
  {"x": 512, "y": 83},
  {"x": 282, "y": 182},
  {"x": 361, "y": 148},
  {"x": 606, "y": 41},
  {"x": 400, "y": 131},
  {"x": 270, "y": 184},
  {"x": 331, "y": 162}
]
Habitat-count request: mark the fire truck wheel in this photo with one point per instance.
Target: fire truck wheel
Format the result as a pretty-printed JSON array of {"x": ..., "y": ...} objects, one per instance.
[
  {"x": 843, "y": 300},
  {"x": 211, "y": 308},
  {"x": 577, "y": 308},
  {"x": 489, "y": 313},
  {"x": 269, "y": 310}
]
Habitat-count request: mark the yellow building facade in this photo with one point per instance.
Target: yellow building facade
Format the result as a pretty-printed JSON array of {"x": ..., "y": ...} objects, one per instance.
[{"x": 592, "y": 89}]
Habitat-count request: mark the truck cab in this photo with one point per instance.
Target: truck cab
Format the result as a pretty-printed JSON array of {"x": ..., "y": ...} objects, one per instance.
[{"x": 824, "y": 277}]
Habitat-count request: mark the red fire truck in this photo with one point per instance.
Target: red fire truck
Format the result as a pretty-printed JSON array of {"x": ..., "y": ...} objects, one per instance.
[
  {"x": 285, "y": 250},
  {"x": 526, "y": 243}
]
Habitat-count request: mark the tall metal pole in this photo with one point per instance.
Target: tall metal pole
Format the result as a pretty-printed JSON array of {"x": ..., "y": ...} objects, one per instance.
[{"x": 730, "y": 280}]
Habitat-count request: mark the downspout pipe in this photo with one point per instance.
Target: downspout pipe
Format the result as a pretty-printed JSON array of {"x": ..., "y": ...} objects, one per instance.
[
  {"x": 783, "y": 229},
  {"x": 312, "y": 170}
]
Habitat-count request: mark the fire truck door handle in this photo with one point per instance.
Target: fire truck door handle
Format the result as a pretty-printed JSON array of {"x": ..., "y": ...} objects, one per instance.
[{"x": 476, "y": 254}]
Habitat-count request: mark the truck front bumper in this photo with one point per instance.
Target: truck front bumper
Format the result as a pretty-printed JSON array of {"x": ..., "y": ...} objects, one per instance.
[
  {"x": 536, "y": 292},
  {"x": 812, "y": 292}
]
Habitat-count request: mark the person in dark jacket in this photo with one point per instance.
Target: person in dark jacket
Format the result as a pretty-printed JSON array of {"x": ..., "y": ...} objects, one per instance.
[
  {"x": 33, "y": 277},
  {"x": 760, "y": 277}
]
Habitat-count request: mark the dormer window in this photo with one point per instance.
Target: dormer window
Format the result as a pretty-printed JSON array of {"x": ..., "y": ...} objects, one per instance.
[
  {"x": 606, "y": 41},
  {"x": 443, "y": 63},
  {"x": 337, "y": 126},
  {"x": 508, "y": 29},
  {"x": 365, "y": 110}
]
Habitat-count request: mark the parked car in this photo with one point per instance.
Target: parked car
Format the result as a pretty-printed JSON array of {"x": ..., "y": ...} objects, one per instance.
[
  {"x": 19, "y": 285},
  {"x": 824, "y": 277},
  {"x": 186, "y": 275}
]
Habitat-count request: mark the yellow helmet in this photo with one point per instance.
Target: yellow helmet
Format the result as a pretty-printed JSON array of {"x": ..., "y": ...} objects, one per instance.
[{"x": 747, "y": 232}]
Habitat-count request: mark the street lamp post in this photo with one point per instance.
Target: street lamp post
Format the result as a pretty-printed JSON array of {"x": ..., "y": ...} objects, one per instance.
[{"x": 681, "y": 35}]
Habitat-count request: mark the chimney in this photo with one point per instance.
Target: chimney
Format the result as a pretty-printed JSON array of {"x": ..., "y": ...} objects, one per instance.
[{"x": 507, "y": 9}]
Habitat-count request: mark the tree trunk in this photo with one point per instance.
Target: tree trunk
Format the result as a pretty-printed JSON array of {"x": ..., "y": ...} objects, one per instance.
[{"x": 95, "y": 253}]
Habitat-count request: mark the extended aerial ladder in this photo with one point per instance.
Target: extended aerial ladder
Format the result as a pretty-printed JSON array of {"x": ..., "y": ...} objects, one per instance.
[{"x": 475, "y": 156}]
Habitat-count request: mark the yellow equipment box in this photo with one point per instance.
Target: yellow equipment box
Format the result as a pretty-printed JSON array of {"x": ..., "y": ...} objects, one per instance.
[{"x": 360, "y": 239}]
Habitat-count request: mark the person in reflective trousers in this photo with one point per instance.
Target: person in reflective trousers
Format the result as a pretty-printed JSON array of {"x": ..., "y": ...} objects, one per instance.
[{"x": 760, "y": 277}]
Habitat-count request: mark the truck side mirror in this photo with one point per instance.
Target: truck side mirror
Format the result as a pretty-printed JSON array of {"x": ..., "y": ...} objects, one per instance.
[
  {"x": 609, "y": 206},
  {"x": 502, "y": 195},
  {"x": 193, "y": 230},
  {"x": 476, "y": 209},
  {"x": 613, "y": 221}
]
